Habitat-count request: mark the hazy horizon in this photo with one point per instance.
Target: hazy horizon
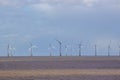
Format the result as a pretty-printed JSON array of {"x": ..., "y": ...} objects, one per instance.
[{"x": 41, "y": 22}]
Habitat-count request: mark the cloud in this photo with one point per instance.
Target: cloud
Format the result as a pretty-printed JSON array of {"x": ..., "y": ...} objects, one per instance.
[
  {"x": 61, "y": 6},
  {"x": 10, "y": 36},
  {"x": 8, "y": 3},
  {"x": 90, "y": 3},
  {"x": 43, "y": 7},
  {"x": 48, "y": 5}
]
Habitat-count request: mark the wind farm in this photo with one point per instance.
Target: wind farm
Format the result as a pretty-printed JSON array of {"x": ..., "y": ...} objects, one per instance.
[
  {"x": 59, "y": 39},
  {"x": 63, "y": 66}
]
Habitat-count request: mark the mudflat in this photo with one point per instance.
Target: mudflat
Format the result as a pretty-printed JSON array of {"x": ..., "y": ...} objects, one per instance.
[{"x": 60, "y": 68}]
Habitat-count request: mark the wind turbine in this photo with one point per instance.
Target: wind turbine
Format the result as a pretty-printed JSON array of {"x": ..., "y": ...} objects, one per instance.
[
  {"x": 13, "y": 51},
  {"x": 51, "y": 48},
  {"x": 66, "y": 49},
  {"x": 95, "y": 50},
  {"x": 80, "y": 53},
  {"x": 31, "y": 49},
  {"x": 109, "y": 47},
  {"x": 8, "y": 50},
  {"x": 118, "y": 44},
  {"x": 109, "y": 50},
  {"x": 60, "y": 47},
  {"x": 119, "y": 49}
]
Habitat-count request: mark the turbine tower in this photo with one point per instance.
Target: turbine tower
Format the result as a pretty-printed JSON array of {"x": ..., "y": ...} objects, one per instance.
[
  {"x": 109, "y": 50},
  {"x": 80, "y": 53},
  {"x": 31, "y": 50},
  {"x": 109, "y": 47},
  {"x": 60, "y": 47},
  {"x": 66, "y": 50},
  {"x": 95, "y": 50},
  {"x": 13, "y": 51},
  {"x": 8, "y": 50},
  {"x": 119, "y": 50},
  {"x": 50, "y": 48}
]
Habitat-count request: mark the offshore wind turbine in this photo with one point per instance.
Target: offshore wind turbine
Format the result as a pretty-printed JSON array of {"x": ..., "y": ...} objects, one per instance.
[
  {"x": 51, "y": 48},
  {"x": 66, "y": 50},
  {"x": 95, "y": 50},
  {"x": 13, "y": 51},
  {"x": 8, "y": 50},
  {"x": 31, "y": 49},
  {"x": 119, "y": 49},
  {"x": 60, "y": 47},
  {"x": 80, "y": 46},
  {"x": 109, "y": 47},
  {"x": 109, "y": 50}
]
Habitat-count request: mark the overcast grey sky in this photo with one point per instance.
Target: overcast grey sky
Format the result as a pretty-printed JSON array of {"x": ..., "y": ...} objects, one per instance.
[{"x": 71, "y": 21}]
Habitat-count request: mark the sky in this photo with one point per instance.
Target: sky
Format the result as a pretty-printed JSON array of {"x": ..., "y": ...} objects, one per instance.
[{"x": 42, "y": 22}]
